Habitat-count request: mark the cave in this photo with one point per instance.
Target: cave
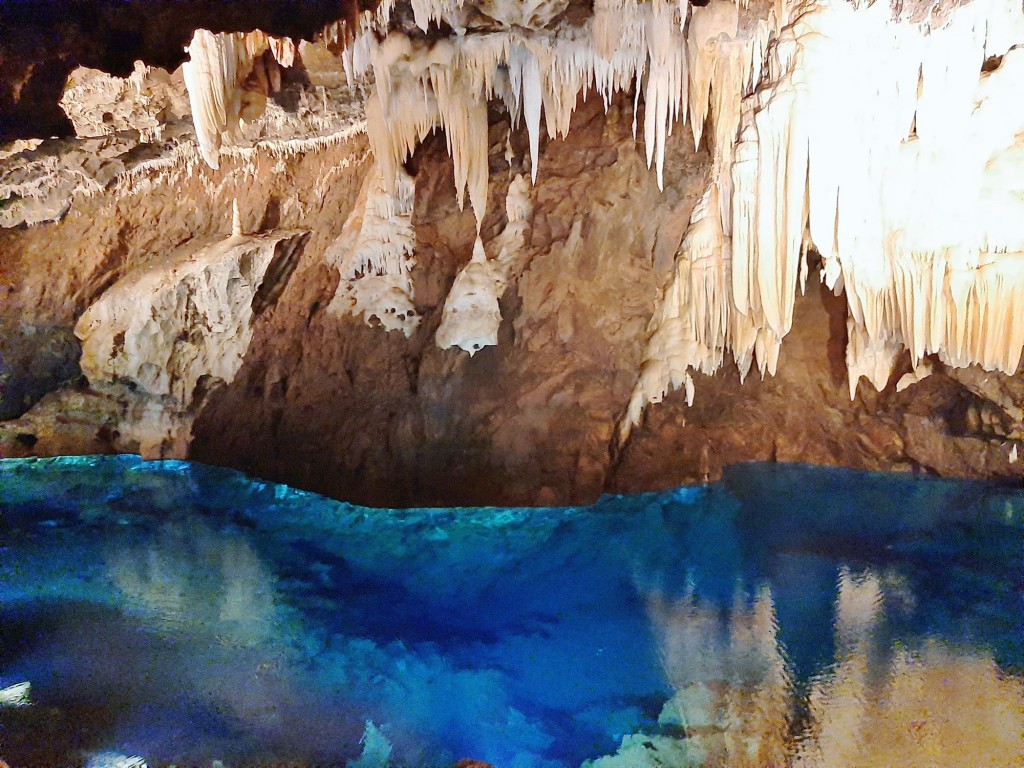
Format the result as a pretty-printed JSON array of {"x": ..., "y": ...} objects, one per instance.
[{"x": 676, "y": 345}]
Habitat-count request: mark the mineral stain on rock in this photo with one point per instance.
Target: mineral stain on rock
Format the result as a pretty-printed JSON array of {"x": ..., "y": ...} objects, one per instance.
[{"x": 434, "y": 301}]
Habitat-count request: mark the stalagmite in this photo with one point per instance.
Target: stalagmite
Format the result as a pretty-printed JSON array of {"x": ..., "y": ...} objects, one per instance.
[
  {"x": 511, "y": 243},
  {"x": 236, "y": 219}
]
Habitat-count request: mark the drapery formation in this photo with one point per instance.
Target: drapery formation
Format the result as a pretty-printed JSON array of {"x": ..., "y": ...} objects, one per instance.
[{"x": 892, "y": 146}]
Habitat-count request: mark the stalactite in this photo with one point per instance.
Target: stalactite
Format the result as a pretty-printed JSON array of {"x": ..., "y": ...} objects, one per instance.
[
  {"x": 211, "y": 75},
  {"x": 832, "y": 126},
  {"x": 665, "y": 97},
  {"x": 691, "y": 330},
  {"x": 471, "y": 315},
  {"x": 215, "y": 76},
  {"x": 426, "y": 83},
  {"x": 848, "y": 145},
  {"x": 374, "y": 253},
  {"x": 463, "y": 115}
]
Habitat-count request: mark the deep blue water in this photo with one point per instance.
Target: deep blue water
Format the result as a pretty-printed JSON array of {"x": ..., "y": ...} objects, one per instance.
[{"x": 184, "y": 613}]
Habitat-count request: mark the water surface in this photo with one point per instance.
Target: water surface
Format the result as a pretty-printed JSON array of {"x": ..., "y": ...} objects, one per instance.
[{"x": 186, "y": 614}]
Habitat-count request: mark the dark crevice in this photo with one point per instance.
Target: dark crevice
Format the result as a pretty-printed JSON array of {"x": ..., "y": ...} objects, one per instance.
[
  {"x": 44, "y": 40},
  {"x": 282, "y": 265},
  {"x": 992, "y": 63}
]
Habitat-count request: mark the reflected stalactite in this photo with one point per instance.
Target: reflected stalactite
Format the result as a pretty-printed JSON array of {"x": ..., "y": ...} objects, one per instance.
[
  {"x": 884, "y": 706},
  {"x": 195, "y": 614},
  {"x": 838, "y": 724},
  {"x": 189, "y": 579},
  {"x": 759, "y": 695},
  {"x": 882, "y": 702},
  {"x": 733, "y": 687}
]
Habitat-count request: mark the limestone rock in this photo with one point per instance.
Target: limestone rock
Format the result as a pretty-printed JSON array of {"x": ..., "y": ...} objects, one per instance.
[
  {"x": 689, "y": 192},
  {"x": 99, "y": 104},
  {"x": 39, "y": 184},
  {"x": 159, "y": 340},
  {"x": 185, "y": 322},
  {"x": 1003, "y": 394},
  {"x": 34, "y": 359}
]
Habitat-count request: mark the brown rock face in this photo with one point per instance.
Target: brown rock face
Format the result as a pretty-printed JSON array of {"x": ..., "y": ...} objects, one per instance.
[
  {"x": 363, "y": 414},
  {"x": 329, "y": 403},
  {"x": 803, "y": 414}
]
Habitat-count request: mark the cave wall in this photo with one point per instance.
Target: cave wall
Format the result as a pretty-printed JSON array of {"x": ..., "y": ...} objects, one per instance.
[
  {"x": 196, "y": 273},
  {"x": 334, "y": 405},
  {"x": 357, "y": 412}
]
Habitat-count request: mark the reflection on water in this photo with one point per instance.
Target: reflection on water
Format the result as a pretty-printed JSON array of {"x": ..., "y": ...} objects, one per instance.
[
  {"x": 189, "y": 577},
  {"x": 786, "y": 617},
  {"x": 885, "y": 705},
  {"x": 876, "y": 705},
  {"x": 732, "y": 687}
]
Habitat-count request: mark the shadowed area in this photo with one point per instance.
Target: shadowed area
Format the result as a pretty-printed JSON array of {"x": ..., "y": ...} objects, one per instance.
[{"x": 44, "y": 40}]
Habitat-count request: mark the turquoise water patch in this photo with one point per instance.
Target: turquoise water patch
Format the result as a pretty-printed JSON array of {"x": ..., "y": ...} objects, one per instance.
[{"x": 186, "y": 614}]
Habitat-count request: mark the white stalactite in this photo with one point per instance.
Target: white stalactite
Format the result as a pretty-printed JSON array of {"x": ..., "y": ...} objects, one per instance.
[
  {"x": 422, "y": 84},
  {"x": 692, "y": 329},
  {"x": 471, "y": 315},
  {"x": 374, "y": 255},
  {"x": 892, "y": 147},
  {"x": 908, "y": 159},
  {"x": 890, "y": 150},
  {"x": 665, "y": 98},
  {"x": 215, "y": 74},
  {"x": 919, "y": 374},
  {"x": 211, "y": 76}
]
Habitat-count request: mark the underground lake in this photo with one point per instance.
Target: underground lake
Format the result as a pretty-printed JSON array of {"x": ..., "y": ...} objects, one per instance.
[{"x": 168, "y": 612}]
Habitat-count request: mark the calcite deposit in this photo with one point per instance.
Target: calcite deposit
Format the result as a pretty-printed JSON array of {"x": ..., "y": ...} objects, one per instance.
[{"x": 502, "y": 252}]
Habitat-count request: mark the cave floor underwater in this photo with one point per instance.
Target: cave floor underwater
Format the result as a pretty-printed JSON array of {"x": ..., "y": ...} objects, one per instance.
[{"x": 174, "y": 613}]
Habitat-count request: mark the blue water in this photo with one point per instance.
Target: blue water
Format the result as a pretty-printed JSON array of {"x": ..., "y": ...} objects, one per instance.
[{"x": 184, "y": 613}]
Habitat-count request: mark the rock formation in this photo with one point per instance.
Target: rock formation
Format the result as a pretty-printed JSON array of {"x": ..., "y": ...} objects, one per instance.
[{"x": 663, "y": 196}]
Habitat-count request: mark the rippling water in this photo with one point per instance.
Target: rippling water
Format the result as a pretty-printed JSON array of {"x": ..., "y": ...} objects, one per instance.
[{"x": 786, "y": 616}]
